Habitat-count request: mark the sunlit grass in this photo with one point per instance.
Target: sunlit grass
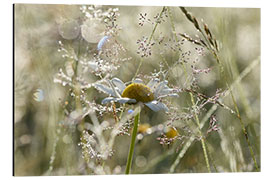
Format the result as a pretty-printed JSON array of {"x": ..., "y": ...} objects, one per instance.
[{"x": 201, "y": 78}]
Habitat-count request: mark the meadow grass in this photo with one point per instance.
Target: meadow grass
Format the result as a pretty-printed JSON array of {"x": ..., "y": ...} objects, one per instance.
[{"x": 72, "y": 117}]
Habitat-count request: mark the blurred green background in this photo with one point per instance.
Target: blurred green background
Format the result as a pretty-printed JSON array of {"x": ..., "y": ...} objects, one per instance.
[{"x": 37, "y": 60}]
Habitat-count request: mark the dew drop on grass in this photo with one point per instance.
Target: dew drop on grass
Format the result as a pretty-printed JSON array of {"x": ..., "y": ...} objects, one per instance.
[
  {"x": 39, "y": 95},
  {"x": 64, "y": 83},
  {"x": 102, "y": 42},
  {"x": 130, "y": 111}
]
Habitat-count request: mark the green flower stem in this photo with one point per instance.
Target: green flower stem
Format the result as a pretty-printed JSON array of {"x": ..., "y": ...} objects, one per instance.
[{"x": 132, "y": 143}]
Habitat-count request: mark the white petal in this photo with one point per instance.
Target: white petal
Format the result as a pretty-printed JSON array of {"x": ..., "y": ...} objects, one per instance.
[
  {"x": 118, "y": 83},
  {"x": 119, "y": 100},
  {"x": 161, "y": 86},
  {"x": 125, "y": 100},
  {"x": 156, "y": 106},
  {"x": 153, "y": 83},
  {"x": 105, "y": 89},
  {"x": 107, "y": 100},
  {"x": 138, "y": 81},
  {"x": 166, "y": 91},
  {"x": 169, "y": 95},
  {"x": 115, "y": 89}
]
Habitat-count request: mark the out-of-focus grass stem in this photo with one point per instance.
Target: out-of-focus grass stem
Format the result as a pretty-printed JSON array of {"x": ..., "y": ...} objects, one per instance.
[
  {"x": 193, "y": 104},
  {"x": 223, "y": 76}
]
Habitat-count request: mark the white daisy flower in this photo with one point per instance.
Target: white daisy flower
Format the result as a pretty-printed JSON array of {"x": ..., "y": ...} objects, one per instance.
[{"x": 137, "y": 91}]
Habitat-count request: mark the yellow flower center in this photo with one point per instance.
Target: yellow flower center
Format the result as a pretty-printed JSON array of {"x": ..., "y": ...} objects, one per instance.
[
  {"x": 138, "y": 91},
  {"x": 171, "y": 132},
  {"x": 143, "y": 128}
]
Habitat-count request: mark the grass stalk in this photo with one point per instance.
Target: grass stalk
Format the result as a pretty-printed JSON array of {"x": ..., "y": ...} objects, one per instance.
[
  {"x": 132, "y": 143},
  {"x": 150, "y": 38},
  {"x": 201, "y": 135},
  {"x": 242, "y": 125},
  {"x": 238, "y": 113},
  {"x": 210, "y": 157},
  {"x": 242, "y": 75},
  {"x": 244, "y": 130},
  {"x": 222, "y": 75},
  {"x": 172, "y": 23},
  {"x": 193, "y": 104}
]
